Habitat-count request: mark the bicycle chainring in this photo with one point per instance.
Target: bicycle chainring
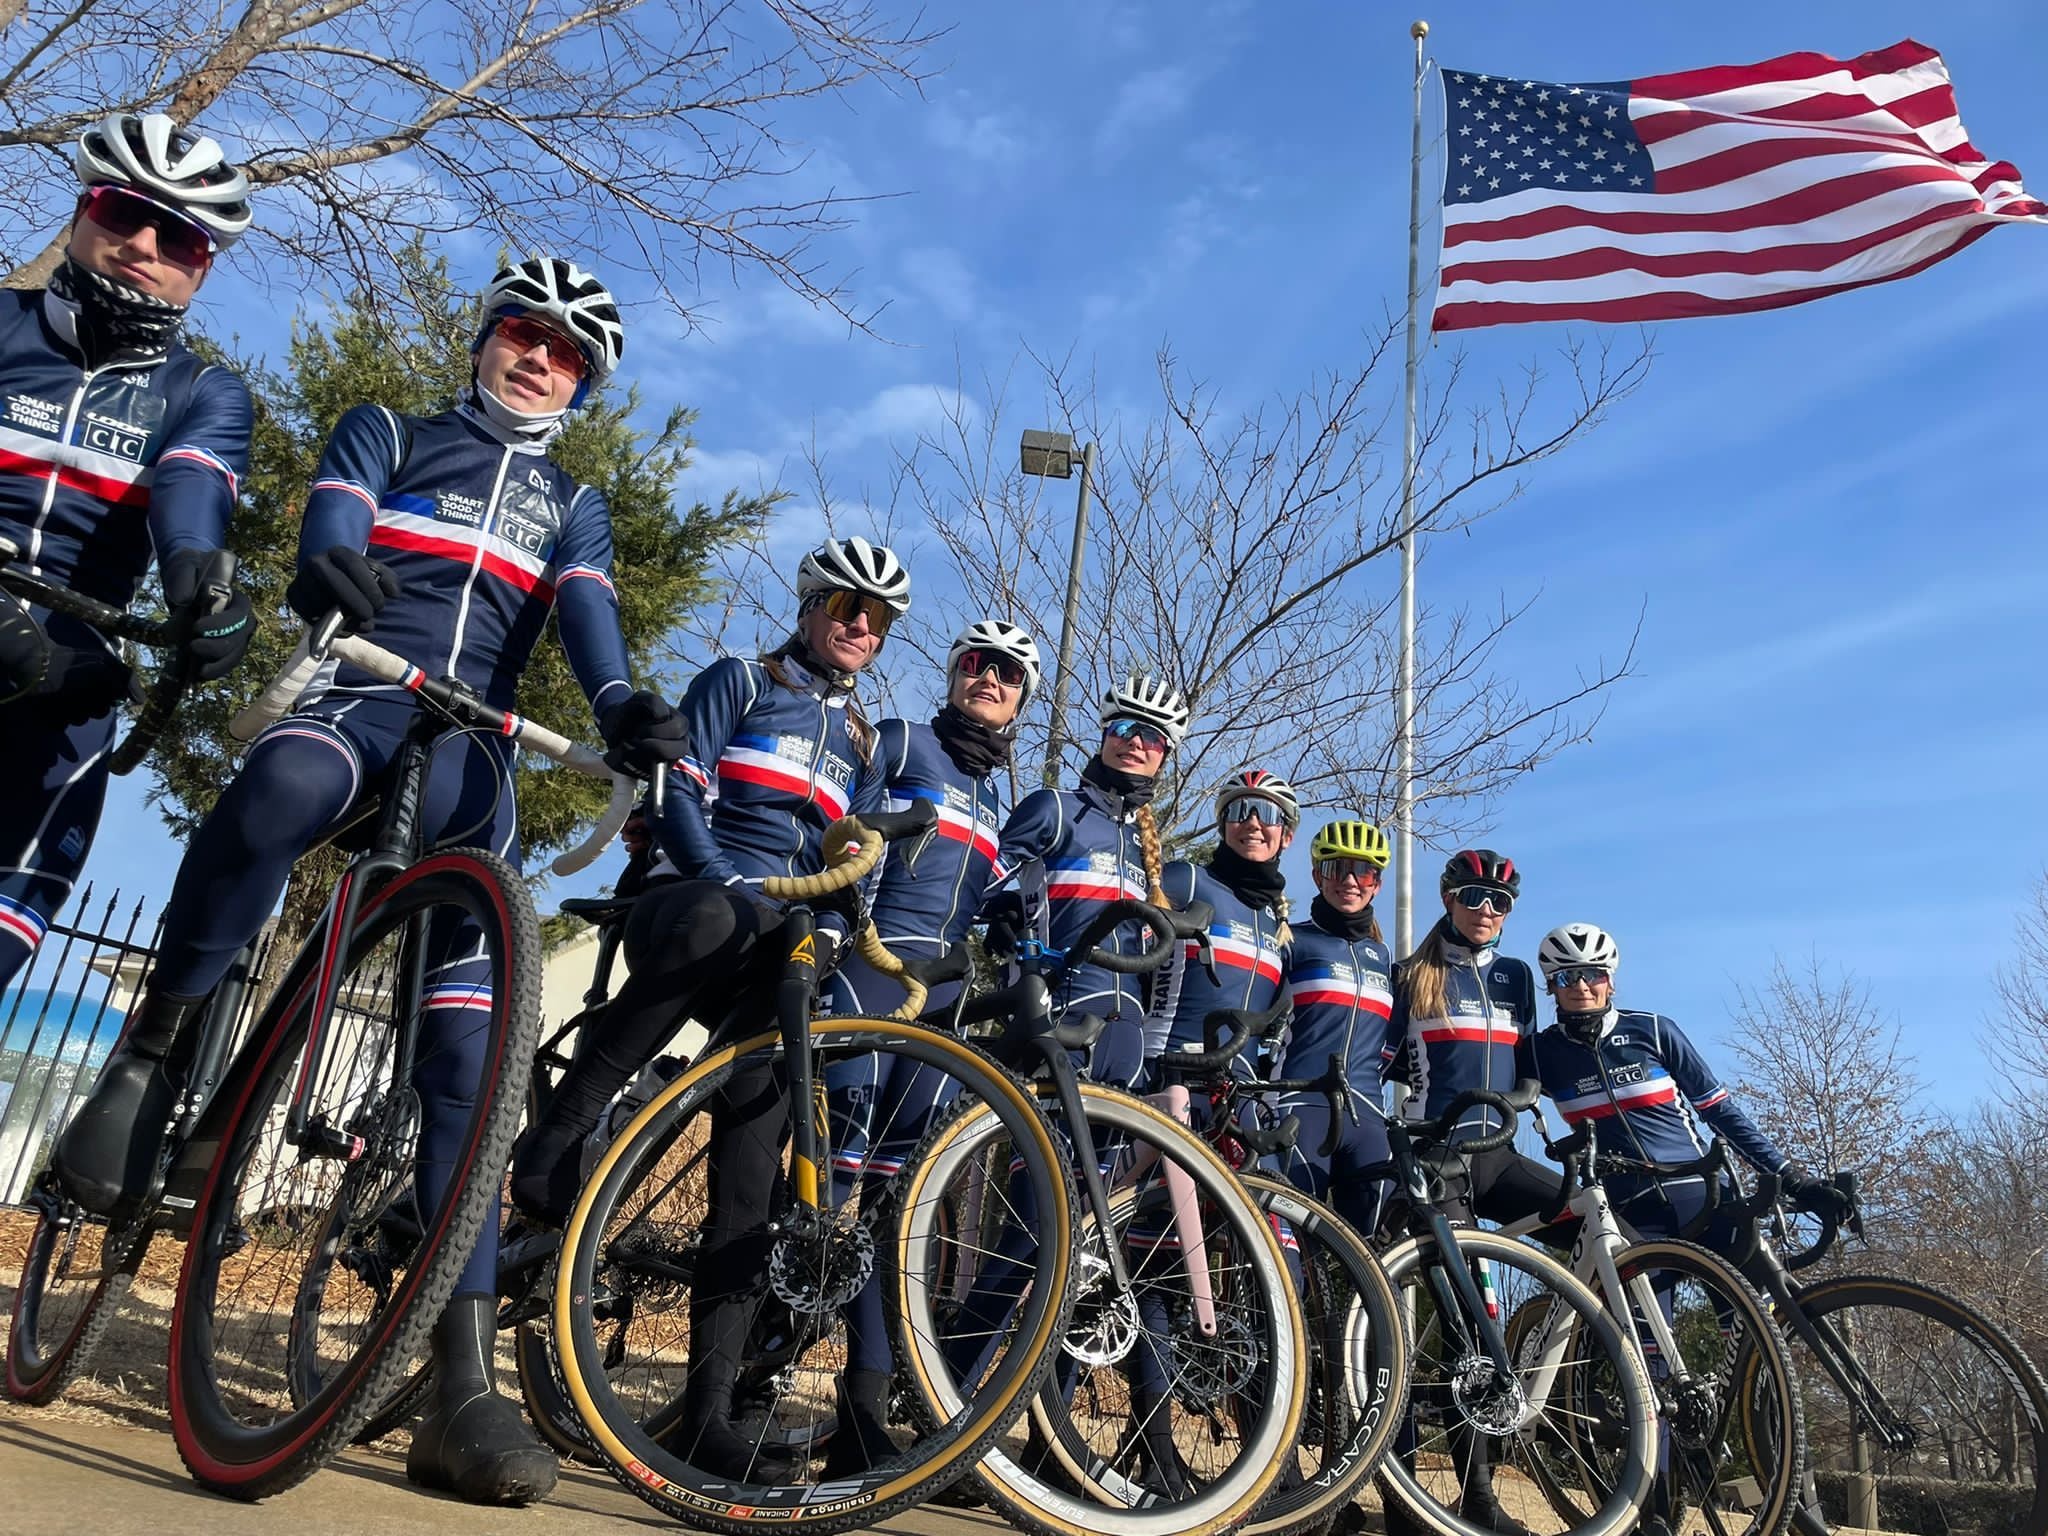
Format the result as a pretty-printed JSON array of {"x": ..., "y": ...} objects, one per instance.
[{"x": 1206, "y": 1371}]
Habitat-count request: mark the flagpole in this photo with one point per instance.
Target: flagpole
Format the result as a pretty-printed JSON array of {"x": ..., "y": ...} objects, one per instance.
[{"x": 1404, "y": 706}]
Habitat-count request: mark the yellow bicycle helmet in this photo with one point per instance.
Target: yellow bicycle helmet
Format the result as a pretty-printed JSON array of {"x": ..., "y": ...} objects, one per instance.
[{"x": 1351, "y": 840}]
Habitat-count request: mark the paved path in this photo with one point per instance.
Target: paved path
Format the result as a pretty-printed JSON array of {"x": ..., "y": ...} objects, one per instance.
[{"x": 62, "y": 1475}]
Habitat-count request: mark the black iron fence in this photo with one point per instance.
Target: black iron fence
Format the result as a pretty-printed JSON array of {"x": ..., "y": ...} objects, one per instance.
[{"x": 60, "y": 1017}]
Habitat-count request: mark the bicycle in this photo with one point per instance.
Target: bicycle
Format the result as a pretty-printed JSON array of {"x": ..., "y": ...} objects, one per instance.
[
  {"x": 301, "y": 1136},
  {"x": 1193, "y": 1368},
  {"x": 1918, "y": 1399},
  {"x": 1726, "y": 1387},
  {"x": 629, "y": 1266},
  {"x": 1357, "y": 1359},
  {"x": 1474, "y": 1399}
]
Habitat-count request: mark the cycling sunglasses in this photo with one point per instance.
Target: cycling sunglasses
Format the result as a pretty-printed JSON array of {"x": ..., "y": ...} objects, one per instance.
[
  {"x": 1009, "y": 670},
  {"x": 1143, "y": 732},
  {"x": 1474, "y": 897},
  {"x": 1251, "y": 808},
  {"x": 523, "y": 333},
  {"x": 1364, "y": 871},
  {"x": 1579, "y": 975},
  {"x": 125, "y": 214},
  {"x": 844, "y": 606}
]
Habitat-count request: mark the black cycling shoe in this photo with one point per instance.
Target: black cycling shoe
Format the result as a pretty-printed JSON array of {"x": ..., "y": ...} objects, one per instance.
[
  {"x": 861, "y": 1443},
  {"x": 475, "y": 1444},
  {"x": 107, "y": 1157},
  {"x": 547, "y": 1173},
  {"x": 707, "y": 1440},
  {"x": 1481, "y": 1508}
]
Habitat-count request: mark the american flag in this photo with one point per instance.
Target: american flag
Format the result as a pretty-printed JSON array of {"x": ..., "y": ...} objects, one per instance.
[{"x": 1710, "y": 192}]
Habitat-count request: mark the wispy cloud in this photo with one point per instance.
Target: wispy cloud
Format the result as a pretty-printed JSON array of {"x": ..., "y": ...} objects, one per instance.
[
  {"x": 1143, "y": 101},
  {"x": 986, "y": 135}
]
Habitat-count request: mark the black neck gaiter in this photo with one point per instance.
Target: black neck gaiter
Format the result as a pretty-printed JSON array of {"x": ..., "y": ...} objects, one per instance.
[
  {"x": 975, "y": 748},
  {"x": 1346, "y": 925}
]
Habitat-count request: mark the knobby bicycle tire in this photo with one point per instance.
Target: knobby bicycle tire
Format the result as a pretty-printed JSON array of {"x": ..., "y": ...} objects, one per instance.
[
  {"x": 38, "y": 1370},
  {"x": 1823, "y": 1304},
  {"x": 253, "y": 1463},
  {"x": 1034, "y": 1504},
  {"x": 659, "y": 1476},
  {"x": 1621, "y": 1509}
]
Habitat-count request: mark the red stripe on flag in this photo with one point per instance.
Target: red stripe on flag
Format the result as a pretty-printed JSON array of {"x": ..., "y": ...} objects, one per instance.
[
  {"x": 452, "y": 549},
  {"x": 1779, "y": 71}
]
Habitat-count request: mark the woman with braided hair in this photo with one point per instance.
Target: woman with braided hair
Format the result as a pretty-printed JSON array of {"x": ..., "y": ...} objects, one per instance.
[{"x": 1070, "y": 850}]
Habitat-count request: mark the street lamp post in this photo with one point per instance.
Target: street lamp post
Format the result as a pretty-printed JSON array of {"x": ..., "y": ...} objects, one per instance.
[{"x": 1051, "y": 454}]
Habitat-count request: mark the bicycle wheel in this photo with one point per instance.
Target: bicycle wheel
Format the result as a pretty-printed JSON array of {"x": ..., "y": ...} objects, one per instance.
[
  {"x": 1936, "y": 1401},
  {"x": 621, "y": 1322},
  {"x": 1732, "y": 1447},
  {"x": 1466, "y": 1417},
  {"x": 73, "y": 1274},
  {"x": 1357, "y": 1361},
  {"x": 264, "y": 1315},
  {"x": 1165, "y": 1426}
]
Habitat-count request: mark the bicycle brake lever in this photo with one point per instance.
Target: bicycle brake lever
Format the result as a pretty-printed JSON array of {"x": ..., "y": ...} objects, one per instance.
[
  {"x": 917, "y": 847},
  {"x": 1206, "y": 947}
]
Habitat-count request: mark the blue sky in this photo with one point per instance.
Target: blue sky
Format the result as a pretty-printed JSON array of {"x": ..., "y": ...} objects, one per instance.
[{"x": 1832, "y": 745}]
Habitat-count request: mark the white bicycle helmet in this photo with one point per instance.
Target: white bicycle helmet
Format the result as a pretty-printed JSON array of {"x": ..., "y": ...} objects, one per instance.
[
  {"x": 170, "y": 165},
  {"x": 1577, "y": 944},
  {"x": 1005, "y": 639},
  {"x": 1257, "y": 784},
  {"x": 578, "y": 304},
  {"x": 1152, "y": 700},
  {"x": 854, "y": 565}
]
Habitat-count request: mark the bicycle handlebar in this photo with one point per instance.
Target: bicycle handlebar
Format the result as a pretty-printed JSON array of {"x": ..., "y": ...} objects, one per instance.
[
  {"x": 1511, "y": 1106},
  {"x": 323, "y": 641},
  {"x": 160, "y": 704},
  {"x": 1225, "y": 1035},
  {"x": 1086, "y": 948}
]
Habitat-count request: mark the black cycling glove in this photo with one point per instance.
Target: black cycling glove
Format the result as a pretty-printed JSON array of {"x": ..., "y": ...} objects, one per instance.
[
  {"x": 342, "y": 578},
  {"x": 24, "y": 650},
  {"x": 1817, "y": 1197},
  {"x": 640, "y": 731},
  {"x": 214, "y": 641}
]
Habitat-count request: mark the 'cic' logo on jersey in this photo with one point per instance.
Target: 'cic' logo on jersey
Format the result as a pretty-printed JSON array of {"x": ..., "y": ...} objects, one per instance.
[{"x": 116, "y": 439}]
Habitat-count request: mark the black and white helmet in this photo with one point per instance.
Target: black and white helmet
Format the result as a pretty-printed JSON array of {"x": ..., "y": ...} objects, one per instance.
[
  {"x": 1577, "y": 944},
  {"x": 576, "y": 303},
  {"x": 1152, "y": 700},
  {"x": 1006, "y": 639},
  {"x": 170, "y": 165},
  {"x": 854, "y": 565},
  {"x": 1257, "y": 784}
]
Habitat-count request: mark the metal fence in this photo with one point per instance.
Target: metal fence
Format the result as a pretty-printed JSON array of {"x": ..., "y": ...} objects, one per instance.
[{"x": 60, "y": 1018}]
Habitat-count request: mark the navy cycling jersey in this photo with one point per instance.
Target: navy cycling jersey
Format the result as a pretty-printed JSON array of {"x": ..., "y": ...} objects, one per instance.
[
  {"x": 485, "y": 535},
  {"x": 1069, "y": 851},
  {"x": 1482, "y": 1041},
  {"x": 1343, "y": 992},
  {"x": 1642, "y": 1087},
  {"x": 1245, "y": 941},
  {"x": 98, "y": 469},
  {"x": 938, "y": 897},
  {"x": 771, "y": 766}
]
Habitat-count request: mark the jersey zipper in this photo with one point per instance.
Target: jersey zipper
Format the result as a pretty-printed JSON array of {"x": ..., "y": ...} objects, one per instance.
[
  {"x": 476, "y": 562},
  {"x": 55, "y": 477}
]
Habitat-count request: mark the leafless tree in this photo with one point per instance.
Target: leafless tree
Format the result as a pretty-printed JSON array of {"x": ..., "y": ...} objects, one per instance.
[
  {"x": 648, "y": 132},
  {"x": 1252, "y": 557},
  {"x": 1982, "y": 1227},
  {"x": 1825, "y": 1076},
  {"x": 2023, "y": 992}
]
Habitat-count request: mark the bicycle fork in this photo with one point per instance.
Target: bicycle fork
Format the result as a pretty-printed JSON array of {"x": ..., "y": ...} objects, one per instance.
[
  {"x": 1187, "y": 1214},
  {"x": 810, "y": 1125}
]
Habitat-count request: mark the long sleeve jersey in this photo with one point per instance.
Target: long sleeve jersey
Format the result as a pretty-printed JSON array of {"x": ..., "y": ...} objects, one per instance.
[
  {"x": 101, "y": 468},
  {"x": 1249, "y": 962},
  {"x": 938, "y": 896},
  {"x": 771, "y": 766},
  {"x": 1343, "y": 992},
  {"x": 1646, "y": 1087},
  {"x": 1482, "y": 1041},
  {"x": 486, "y": 537},
  {"x": 1069, "y": 851}
]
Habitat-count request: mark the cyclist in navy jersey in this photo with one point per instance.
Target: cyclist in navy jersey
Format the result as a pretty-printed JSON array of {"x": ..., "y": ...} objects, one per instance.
[
  {"x": 451, "y": 537},
  {"x": 1340, "y": 980},
  {"x": 778, "y": 752},
  {"x": 1644, "y": 1086},
  {"x": 116, "y": 444},
  {"x": 1463, "y": 1017},
  {"x": 1256, "y": 814},
  {"x": 1070, "y": 850},
  {"x": 955, "y": 762}
]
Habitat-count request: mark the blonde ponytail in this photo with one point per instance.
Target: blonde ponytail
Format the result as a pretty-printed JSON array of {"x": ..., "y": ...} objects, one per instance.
[
  {"x": 1154, "y": 855},
  {"x": 1426, "y": 974},
  {"x": 1283, "y": 935}
]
